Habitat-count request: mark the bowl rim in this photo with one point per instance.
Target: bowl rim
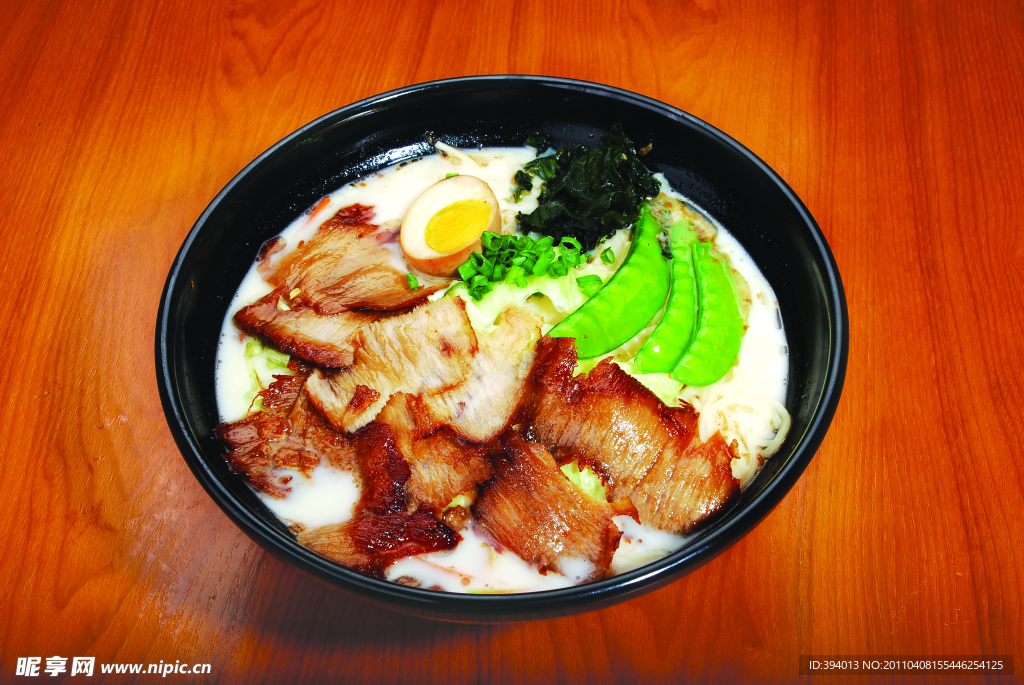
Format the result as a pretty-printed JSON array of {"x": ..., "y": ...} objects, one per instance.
[{"x": 518, "y": 606}]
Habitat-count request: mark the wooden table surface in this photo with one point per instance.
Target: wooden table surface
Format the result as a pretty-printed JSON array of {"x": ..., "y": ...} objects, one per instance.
[{"x": 901, "y": 125}]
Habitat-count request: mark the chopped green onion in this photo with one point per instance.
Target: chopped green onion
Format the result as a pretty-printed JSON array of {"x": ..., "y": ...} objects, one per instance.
[
  {"x": 570, "y": 242},
  {"x": 413, "y": 283},
  {"x": 514, "y": 258},
  {"x": 454, "y": 173},
  {"x": 486, "y": 266},
  {"x": 543, "y": 262},
  {"x": 557, "y": 269},
  {"x": 608, "y": 257},
  {"x": 589, "y": 284}
]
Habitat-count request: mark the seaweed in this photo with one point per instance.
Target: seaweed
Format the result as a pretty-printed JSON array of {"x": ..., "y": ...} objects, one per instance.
[{"x": 588, "y": 193}]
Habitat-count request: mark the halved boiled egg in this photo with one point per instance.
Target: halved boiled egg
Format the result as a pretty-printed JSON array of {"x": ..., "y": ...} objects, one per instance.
[{"x": 445, "y": 223}]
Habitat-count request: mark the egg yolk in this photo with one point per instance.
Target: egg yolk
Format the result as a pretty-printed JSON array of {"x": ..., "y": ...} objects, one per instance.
[{"x": 457, "y": 225}]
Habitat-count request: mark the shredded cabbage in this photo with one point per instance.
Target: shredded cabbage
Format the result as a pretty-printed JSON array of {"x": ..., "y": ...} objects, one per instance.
[
  {"x": 586, "y": 480},
  {"x": 263, "y": 363}
]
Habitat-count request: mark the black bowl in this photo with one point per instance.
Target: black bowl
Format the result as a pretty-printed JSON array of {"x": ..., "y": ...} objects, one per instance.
[{"x": 715, "y": 171}]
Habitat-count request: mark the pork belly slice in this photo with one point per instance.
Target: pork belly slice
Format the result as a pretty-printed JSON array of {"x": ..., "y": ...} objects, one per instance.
[
  {"x": 429, "y": 349},
  {"x": 319, "y": 340},
  {"x": 252, "y": 444},
  {"x": 312, "y": 432},
  {"x": 344, "y": 266},
  {"x": 383, "y": 529},
  {"x": 441, "y": 465},
  {"x": 480, "y": 409},
  {"x": 606, "y": 416},
  {"x": 288, "y": 434},
  {"x": 640, "y": 446},
  {"x": 283, "y": 394},
  {"x": 531, "y": 508},
  {"x": 688, "y": 487},
  {"x": 383, "y": 472},
  {"x": 369, "y": 544}
]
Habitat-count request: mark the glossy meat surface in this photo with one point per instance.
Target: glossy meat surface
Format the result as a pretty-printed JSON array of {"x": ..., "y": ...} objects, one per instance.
[
  {"x": 640, "y": 446},
  {"x": 383, "y": 528},
  {"x": 318, "y": 339},
  {"x": 531, "y": 508},
  {"x": 481, "y": 408},
  {"x": 441, "y": 465},
  {"x": 288, "y": 434},
  {"x": 429, "y": 349},
  {"x": 344, "y": 266}
]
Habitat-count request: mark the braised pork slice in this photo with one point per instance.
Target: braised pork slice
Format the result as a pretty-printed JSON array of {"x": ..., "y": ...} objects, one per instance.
[
  {"x": 344, "y": 266},
  {"x": 638, "y": 444},
  {"x": 252, "y": 444},
  {"x": 369, "y": 544},
  {"x": 287, "y": 434},
  {"x": 480, "y": 409},
  {"x": 531, "y": 508},
  {"x": 427, "y": 350},
  {"x": 383, "y": 529},
  {"x": 687, "y": 486},
  {"x": 383, "y": 471},
  {"x": 606, "y": 416},
  {"x": 320, "y": 340},
  {"x": 309, "y": 429},
  {"x": 441, "y": 465}
]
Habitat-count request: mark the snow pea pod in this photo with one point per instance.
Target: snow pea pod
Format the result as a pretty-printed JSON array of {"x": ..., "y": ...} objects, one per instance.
[
  {"x": 628, "y": 302},
  {"x": 716, "y": 341},
  {"x": 671, "y": 337}
]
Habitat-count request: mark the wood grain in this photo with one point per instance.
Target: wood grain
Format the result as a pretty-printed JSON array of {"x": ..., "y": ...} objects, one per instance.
[{"x": 900, "y": 125}]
